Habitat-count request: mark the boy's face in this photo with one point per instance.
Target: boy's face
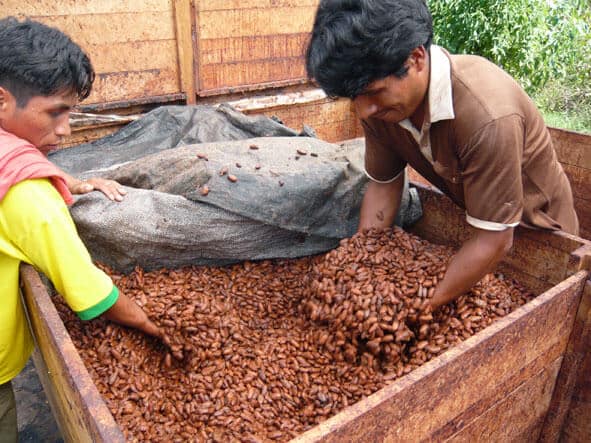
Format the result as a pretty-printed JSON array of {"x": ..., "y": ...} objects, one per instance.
[{"x": 43, "y": 122}]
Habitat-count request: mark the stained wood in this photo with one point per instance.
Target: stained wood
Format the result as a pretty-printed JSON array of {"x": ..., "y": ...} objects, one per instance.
[
  {"x": 246, "y": 22},
  {"x": 50, "y": 8},
  {"x": 109, "y": 87},
  {"x": 105, "y": 29},
  {"x": 569, "y": 418},
  {"x": 572, "y": 148},
  {"x": 252, "y": 44},
  {"x": 184, "y": 31},
  {"x": 522, "y": 412},
  {"x": 78, "y": 408},
  {"x": 218, "y": 5}
]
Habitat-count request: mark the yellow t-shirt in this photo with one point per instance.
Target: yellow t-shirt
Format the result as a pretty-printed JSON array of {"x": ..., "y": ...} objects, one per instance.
[{"x": 36, "y": 228}]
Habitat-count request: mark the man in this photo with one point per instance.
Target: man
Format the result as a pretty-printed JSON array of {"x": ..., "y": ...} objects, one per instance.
[
  {"x": 43, "y": 74},
  {"x": 459, "y": 120}
]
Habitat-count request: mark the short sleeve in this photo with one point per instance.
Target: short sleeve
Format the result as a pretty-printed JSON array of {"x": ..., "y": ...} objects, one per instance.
[
  {"x": 382, "y": 164},
  {"x": 491, "y": 173},
  {"x": 45, "y": 234}
]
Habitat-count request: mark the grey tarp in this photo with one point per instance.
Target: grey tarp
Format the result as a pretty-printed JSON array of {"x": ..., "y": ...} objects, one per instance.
[{"x": 283, "y": 204}]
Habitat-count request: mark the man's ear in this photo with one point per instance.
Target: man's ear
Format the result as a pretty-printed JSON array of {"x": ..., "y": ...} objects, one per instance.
[{"x": 420, "y": 58}]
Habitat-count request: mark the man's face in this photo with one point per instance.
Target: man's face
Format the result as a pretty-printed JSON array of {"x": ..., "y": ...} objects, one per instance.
[
  {"x": 44, "y": 121},
  {"x": 394, "y": 99}
]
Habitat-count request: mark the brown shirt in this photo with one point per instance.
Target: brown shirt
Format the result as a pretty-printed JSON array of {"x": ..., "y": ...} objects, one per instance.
[{"x": 494, "y": 157}]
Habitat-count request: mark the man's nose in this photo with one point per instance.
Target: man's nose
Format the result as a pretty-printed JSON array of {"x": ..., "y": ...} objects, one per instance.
[
  {"x": 63, "y": 127},
  {"x": 364, "y": 107}
]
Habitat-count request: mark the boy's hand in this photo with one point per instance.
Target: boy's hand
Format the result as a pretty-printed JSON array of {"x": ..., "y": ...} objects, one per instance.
[
  {"x": 113, "y": 190},
  {"x": 126, "y": 312}
]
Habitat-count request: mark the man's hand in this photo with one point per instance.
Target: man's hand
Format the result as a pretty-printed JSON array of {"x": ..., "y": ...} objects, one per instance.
[
  {"x": 113, "y": 190},
  {"x": 126, "y": 312},
  {"x": 477, "y": 257}
]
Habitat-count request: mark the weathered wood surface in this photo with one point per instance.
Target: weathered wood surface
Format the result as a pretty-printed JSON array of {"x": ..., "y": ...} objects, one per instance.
[
  {"x": 248, "y": 44},
  {"x": 131, "y": 61},
  {"x": 577, "y": 381},
  {"x": 79, "y": 409},
  {"x": 183, "y": 17},
  {"x": 495, "y": 386},
  {"x": 574, "y": 152}
]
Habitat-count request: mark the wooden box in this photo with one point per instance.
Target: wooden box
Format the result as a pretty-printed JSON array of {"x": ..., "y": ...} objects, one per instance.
[{"x": 513, "y": 381}]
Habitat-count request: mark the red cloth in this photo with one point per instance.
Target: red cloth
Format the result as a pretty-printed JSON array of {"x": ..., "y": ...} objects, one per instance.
[{"x": 20, "y": 160}]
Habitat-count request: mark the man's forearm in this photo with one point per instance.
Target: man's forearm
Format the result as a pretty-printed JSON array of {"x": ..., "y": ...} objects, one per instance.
[
  {"x": 474, "y": 260},
  {"x": 380, "y": 204}
]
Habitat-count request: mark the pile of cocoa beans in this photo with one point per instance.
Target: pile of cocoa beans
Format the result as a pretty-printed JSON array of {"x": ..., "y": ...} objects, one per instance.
[{"x": 264, "y": 351}]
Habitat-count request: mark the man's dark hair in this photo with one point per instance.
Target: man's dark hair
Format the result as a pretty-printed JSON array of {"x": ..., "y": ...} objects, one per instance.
[
  {"x": 355, "y": 42},
  {"x": 37, "y": 60}
]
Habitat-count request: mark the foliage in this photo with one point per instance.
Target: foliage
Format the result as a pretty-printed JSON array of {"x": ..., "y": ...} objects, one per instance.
[
  {"x": 544, "y": 44},
  {"x": 534, "y": 40}
]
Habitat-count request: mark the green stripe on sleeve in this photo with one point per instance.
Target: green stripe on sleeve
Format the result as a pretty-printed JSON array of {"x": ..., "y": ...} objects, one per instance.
[{"x": 100, "y": 307}]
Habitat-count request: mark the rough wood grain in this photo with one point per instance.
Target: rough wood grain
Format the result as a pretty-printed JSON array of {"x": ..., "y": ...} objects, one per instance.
[
  {"x": 573, "y": 404},
  {"x": 184, "y": 37},
  {"x": 80, "y": 412},
  {"x": 76, "y": 7}
]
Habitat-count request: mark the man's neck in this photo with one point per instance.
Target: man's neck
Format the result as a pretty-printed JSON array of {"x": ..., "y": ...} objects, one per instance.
[{"x": 418, "y": 117}]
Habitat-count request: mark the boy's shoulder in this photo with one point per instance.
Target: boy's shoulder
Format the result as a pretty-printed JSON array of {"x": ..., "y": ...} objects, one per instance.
[{"x": 36, "y": 195}]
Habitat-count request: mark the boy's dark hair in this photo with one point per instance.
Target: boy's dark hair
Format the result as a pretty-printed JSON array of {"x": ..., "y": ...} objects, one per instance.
[
  {"x": 36, "y": 59},
  {"x": 355, "y": 42}
]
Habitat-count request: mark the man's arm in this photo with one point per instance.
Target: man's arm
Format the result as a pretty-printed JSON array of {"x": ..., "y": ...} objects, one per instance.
[
  {"x": 113, "y": 190},
  {"x": 380, "y": 204},
  {"x": 477, "y": 256}
]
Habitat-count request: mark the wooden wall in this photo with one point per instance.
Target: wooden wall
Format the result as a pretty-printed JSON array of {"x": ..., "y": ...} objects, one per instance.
[
  {"x": 251, "y": 44},
  {"x": 181, "y": 48},
  {"x": 132, "y": 44},
  {"x": 574, "y": 152}
]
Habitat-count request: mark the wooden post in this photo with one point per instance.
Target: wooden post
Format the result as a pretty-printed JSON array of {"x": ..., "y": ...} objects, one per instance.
[{"x": 184, "y": 39}]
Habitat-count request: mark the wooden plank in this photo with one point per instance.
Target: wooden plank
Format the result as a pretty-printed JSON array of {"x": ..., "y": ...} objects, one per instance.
[
  {"x": 133, "y": 56},
  {"x": 521, "y": 410},
  {"x": 76, "y": 7},
  {"x": 251, "y": 48},
  {"x": 572, "y": 148},
  {"x": 477, "y": 373},
  {"x": 574, "y": 382},
  {"x": 103, "y": 29},
  {"x": 221, "y": 5},
  {"x": 129, "y": 85},
  {"x": 580, "y": 180},
  {"x": 78, "y": 407},
  {"x": 183, "y": 14},
  {"x": 328, "y": 118},
  {"x": 218, "y": 77},
  {"x": 238, "y": 22}
]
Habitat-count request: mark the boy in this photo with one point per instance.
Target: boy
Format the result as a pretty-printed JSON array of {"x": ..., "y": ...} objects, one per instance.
[{"x": 43, "y": 74}]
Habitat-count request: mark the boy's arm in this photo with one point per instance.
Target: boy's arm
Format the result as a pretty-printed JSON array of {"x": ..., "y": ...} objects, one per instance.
[
  {"x": 126, "y": 312},
  {"x": 45, "y": 236},
  {"x": 113, "y": 190}
]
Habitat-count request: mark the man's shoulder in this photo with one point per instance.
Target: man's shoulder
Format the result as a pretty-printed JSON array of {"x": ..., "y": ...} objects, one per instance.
[{"x": 483, "y": 92}]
